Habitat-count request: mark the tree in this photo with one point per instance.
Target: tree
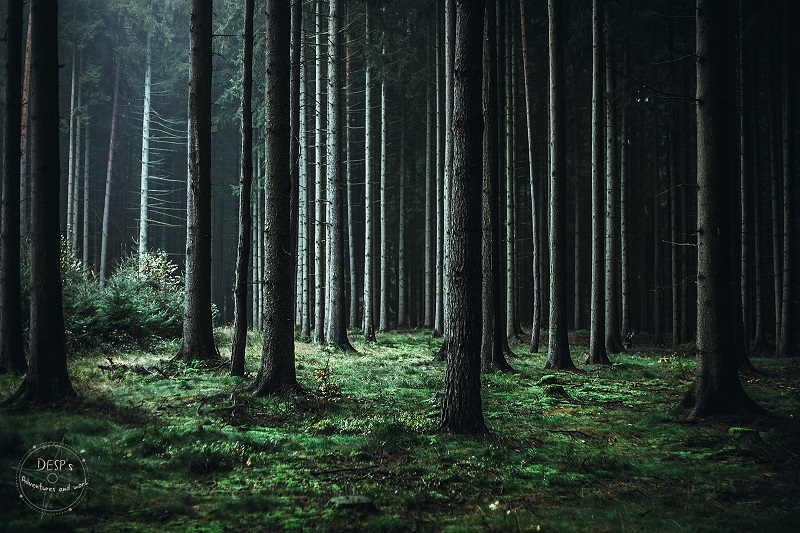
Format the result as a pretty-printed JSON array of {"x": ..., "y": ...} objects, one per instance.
[
  {"x": 383, "y": 311},
  {"x": 245, "y": 185},
  {"x": 337, "y": 326},
  {"x": 492, "y": 354},
  {"x": 612, "y": 325},
  {"x": 277, "y": 373},
  {"x": 319, "y": 235},
  {"x": 597, "y": 347},
  {"x": 110, "y": 160},
  {"x": 558, "y": 357},
  {"x": 716, "y": 388},
  {"x": 12, "y": 354},
  {"x": 461, "y": 407},
  {"x": 47, "y": 380},
  {"x": 198, "y": 334},
  {"x": 145, "y": 177},
  {"x": 369, "y": 274}
]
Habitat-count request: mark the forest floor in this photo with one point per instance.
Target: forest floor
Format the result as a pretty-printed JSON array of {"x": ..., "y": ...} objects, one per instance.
[{"x": 182, "y": 447}]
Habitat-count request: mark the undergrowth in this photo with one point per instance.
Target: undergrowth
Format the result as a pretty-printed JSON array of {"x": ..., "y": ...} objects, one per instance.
[{"x": 172, "y": 446}]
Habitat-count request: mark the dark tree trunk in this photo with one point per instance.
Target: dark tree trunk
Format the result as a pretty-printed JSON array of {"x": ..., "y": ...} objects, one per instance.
[
  {"x": 12, "y": 354},
  {"x": 597, "y": 347},
  {"x": 47, "y": 380},
  {"x": 337, "y": 325},
  {"x": 461, "y": 407},
  {"x": 245, "y": 215},
  {"x": 492, "y": 356},
  {"x": 773, "y": 96},
  {"x": 716, "y": 388},
  {"x": 277, "y": 372},
  {"x": 558, "y": 356},
  {"x": 624, "y": 209},
  {"x": 198, "y": 333}
]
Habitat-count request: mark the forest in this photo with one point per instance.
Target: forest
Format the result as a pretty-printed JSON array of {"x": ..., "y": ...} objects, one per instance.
[{"x": 399, "y": 265}]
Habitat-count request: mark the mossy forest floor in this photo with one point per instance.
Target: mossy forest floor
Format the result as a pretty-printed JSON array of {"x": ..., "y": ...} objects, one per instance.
[{"x": 186, "y": 448}]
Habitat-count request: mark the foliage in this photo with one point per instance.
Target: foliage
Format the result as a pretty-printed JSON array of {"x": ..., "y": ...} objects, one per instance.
[{"x": 599, "y": 450}]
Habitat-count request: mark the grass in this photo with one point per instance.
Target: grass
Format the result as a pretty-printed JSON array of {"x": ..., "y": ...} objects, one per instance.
[{"x": 177, "y": 448}]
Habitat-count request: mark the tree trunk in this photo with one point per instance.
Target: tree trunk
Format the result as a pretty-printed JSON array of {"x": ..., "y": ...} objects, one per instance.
[
  {"x": 430, "y": 199},
  {"x": 239, "y": 341},
  {"x": 143, "y": 194},
  {"x": 511, "y": 290},
  {"x": 461, "y": 407},
  {"x": 110, "y": 161},
  {"x": 295, "y": 42},
  {"x": 12, "y": 348},
  {"x": 597, "y": 347},
  {"x": 401, "y": 237},
  {"x": 441, "y": 124},
  {"x": 787, "y": 341},
  {"x": 86, "y": 151},
  {"x": 350, "y": 122},
  {"x": 277, "y": 372},
  {"x": 307, "y": 227},
  {"x": 319, "y": 236},
  {"x": 624, "y": 208},
  {"x": 716, "y": 388},
  {"x": 369, "y": 321},
  {"x": 47, "y": 380},
  {"x": 337, "y": 326},
  {"x": 536, "y": 324},
  {"x": 77, "y": 170},
  {"x": 198, "y": 333},
  {"x": 773, "y": 95},
  {"x": 71, "y": 155},
  {"x": 384, "y": 268},
  {"x": 23, "y": 142},
  {"x": 558, "y": 357}
]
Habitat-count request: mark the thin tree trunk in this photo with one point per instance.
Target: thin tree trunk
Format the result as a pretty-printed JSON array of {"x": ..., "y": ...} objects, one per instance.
[
  {"x": 624, "y": 208},
  {"x": 12, "y": 348},
  {"x": 744, "y": 178},
  {"x": 71, "y": 203},
  {"x": 76, "y": 180},
  {"x": 773, "y": 96},
  {"x": 110, "y": 161},
  {"x": 511, "y": 291},
  {"x": 438, "y": 327},
  {"x": 401, "y": 238},
  {"x": 597, "y": 347},
  {"x": 143, "y": 188},
  {"x": 536, "y": 324},
  {"x": 23, "y": 142},
  {"x": 350, "y": 122},
  {"x": 295, "y": 43},
  {"x": 239, "y": 341},
  {"x": 369, "y": 322},
  {"x": 384, "y": 269},
  {"x": 319, "y": 237},
  {"x": 86, "y": 151},
  {"x": 449, "y": 81},
  {"x": 430, "y": 199}
]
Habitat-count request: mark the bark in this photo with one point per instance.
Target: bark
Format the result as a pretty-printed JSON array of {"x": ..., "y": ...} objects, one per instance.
[
  {"x": 295, "y": 43},
  {"x": 745, "y": 192},
  {"x": 337, "y": 325},
  {"x": 47, "y": 380},
  {"x": 383, "y": 314},
  {"x": 401, "y": 237},
  {"x": 319, "y": 235},
  {"x": 624, "y": 208},
  {"x": 23, "y": 142},
  {"x": 369, "y": 322},
  {"x": 716, "y": 388},
  {"x": 449, "y": 80},
  {"x": 77, "y": 170},
  {"x": 597, "y": 347},
  {"x": 351, "y": 233},
  {"x": 536, "y": 325},
  {"x": 512, "y": 326},
  {"x": 430, "y": 199},
  {"x": 71, "y": 155},
  {"x": 277, "y": 372},
  {"x": 143, "y": 188},
  {"x": 438, "y": 324},
  {"x": 110, "y": 160},
  {"x": 239, "y": 341},
  {"x": 774, "y": 127},
  {"x": 461, "y": 407},
  {"x": 86, "y": 189},
  {"x": 558, "y": 357},
  {"x": 305, "y": 185},
  {"x": 12, "y": 354},
  {"x": 198, "y": 334}
]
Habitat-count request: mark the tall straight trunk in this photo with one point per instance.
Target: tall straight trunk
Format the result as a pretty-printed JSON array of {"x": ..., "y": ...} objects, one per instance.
[
  {"x": 76, "y": 180},
  {"x": 787, "y": 341},
  {"x": 597, "y": 347},
  {"x": 716, "y": 388},
  {"x": 384, "y": 221},
  {"x": 12, "y": 354},
  {"x": 295, "y": 43},
  {"x": 198, "y": 333},
  {"x": 336, "y": 332},
  {"x": 774, "y": 126},
  {"x": 257, "y": 225},
  {"x": 305, "y": 187},
  {"x": 86, "y": 189},
  {"x": 430, "y": 199},
  {"x": 461, "y": 406},
  {"x": 71, "y": 202},
  {"x": 23, "y": 139},
  {"x": 674, "y": 185},
  {"x": 369, "y": 321},
  {"x": 624, "y": 208},
  {"x": 239, "y": 341},
  {"x": 687, "y": 220},
  {"x": 511, "y": 290},
  {"x": 110, "y": 160},
  {"x": 438, "y": 324},
  {"x": 401, "y": 237},
  {"x": 537, "y": 303},
  {"x": 578, "y": 294},
  {"x": 558, "y": 357},
  {"x": 319, "y": 194},
  {"x": 759, "y": 348},
  {"x": 613, "y": 340},
  {"x": 449, "y": 81},
  {"x": 47, "y": 380},
  {"x": 657, "y": 289},
  {"x": 745, "y": 191},
  {"x": 350, "y": 124},
  {"x": 143, "y": 188},
  {"x": 277, "y": 372},
  {"x": 492, "y": 354}
]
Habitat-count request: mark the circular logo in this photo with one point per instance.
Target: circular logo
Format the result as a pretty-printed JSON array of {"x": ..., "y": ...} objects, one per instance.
[{"x": 51, "y": 478}]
